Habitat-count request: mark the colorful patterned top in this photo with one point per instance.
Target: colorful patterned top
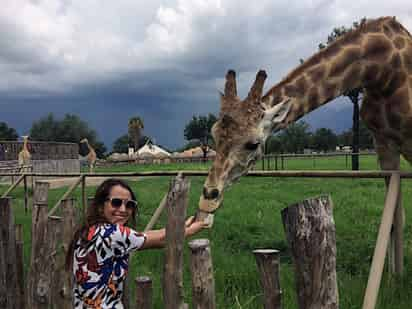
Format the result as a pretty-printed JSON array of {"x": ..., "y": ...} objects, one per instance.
[{"x": 100, "y": 266}]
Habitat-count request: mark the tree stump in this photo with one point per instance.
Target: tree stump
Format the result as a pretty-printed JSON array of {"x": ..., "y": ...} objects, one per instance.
[
  {"x": 201, "y": 267},
  {"x": 144, "y": 292},
  {"x": 310, "y": 231},
  {"x": 267, "y": 261}
]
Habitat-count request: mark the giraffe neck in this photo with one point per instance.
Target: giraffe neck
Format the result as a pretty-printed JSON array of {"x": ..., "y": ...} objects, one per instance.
[{"x": 365, "y": 58}]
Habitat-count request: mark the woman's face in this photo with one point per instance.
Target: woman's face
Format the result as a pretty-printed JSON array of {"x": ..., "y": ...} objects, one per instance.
[{"x": 119, "y": 215}]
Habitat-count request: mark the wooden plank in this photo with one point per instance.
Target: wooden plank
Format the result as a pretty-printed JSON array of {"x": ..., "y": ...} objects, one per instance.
[
  {"x": 378, "y": 262},
  {"x": 156, "y": 214},
  {"x": 66, "y": 195},
  {"x": 37, "y": 283},
  {"x": 9, "y": 276},
  {"x": 13, "y": 186}
]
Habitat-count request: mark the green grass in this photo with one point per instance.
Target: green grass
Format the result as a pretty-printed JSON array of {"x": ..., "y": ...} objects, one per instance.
[{"x": 250, "y": 219}]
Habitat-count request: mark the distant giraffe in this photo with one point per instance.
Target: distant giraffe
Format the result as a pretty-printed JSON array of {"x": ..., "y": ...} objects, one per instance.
[
  {"x": 91, "y": 156},
  {"x": 24, "y": 155},
  {"x": 376, "y": 57}
]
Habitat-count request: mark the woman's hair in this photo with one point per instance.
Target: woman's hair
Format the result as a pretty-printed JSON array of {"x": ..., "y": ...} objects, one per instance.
[{"x": 95, "y": 214}]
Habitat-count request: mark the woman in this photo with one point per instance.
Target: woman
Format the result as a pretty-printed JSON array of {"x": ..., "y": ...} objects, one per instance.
[{"x": 99, "y": 252}]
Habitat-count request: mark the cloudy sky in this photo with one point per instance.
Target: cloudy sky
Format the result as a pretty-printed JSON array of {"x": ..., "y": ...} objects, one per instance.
[{"x": 165, "y": 61}]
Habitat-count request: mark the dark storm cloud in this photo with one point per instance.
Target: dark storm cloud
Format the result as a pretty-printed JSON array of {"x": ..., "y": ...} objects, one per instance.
[{"x": 163, "y": 60}]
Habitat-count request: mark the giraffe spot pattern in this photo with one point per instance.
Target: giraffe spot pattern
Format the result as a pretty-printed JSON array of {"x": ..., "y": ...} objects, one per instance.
[
  {"x": 348, "y": 57},
  {"x": 399, "y": 42},
  {"x": 376, "y": 48}
]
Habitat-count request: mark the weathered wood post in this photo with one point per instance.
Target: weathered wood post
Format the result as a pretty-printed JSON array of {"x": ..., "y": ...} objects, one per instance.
[
  {"x": 268, "y": 262},
  {"x": 54, "y": 237},
  {"x": 144, "y": 292},
  {"x": 311, "y": 234},
  {"x": 177, "y": 202},
  {"x": 65, "y": 300},
  {"x": 20, "y": 266},
  {"x": 38, "y": 283},
  {"x": 8, "y": 268},
  {"x": 201, "y": 268}
]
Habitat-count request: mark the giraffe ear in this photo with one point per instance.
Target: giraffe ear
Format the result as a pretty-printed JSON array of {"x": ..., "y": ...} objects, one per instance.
[{"x": 278, "y": 112}]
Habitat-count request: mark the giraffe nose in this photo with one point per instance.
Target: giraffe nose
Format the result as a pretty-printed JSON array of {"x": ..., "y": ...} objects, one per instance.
[{"x": 210, "y": 195}]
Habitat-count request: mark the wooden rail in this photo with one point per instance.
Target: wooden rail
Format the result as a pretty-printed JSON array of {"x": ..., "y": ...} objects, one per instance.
[{"x": 375, "y": 274}]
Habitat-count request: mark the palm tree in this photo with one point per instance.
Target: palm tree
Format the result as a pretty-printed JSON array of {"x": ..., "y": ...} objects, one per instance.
[{"x": 135, "y": 128}]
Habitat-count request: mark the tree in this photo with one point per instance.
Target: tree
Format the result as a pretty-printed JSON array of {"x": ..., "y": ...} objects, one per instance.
[
  {"x": 295, "y": 138},
  {"x": 199, "y": 128},
  {"x": 121, "y": 145},
  {"x": 71, "y": 129},
  {"x": 324, "y": 140},
  {"x": 352, "y": 94},
  {"x": 7, "y": 133},
  {"x": 135, "y": 127}
]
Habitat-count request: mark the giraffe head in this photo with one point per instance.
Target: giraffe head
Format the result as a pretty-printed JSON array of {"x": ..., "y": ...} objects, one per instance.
[
  {"x": 84, "y": 140},
  {"x": 239, "y": 134}
]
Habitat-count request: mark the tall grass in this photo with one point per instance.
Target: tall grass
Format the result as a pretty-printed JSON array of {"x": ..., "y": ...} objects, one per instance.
[{"x": 250, "y": 219}]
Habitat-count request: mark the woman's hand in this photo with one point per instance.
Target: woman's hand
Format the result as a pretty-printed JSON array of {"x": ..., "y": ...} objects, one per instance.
[{"x": 192, "y": 226}]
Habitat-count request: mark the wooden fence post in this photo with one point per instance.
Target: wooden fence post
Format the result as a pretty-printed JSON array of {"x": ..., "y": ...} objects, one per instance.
[
  {"x": 144, "y": 293},
  {"x": 267, "y": 261},
  {"x": 38, "y": 281},
  {"x": 65, "y": 299},
  {"x": 177, "y": 202},
  {"x": 20, "y": 266},
  {"x": 201, "y": 268},
  {"x": 311, "y": 234},
  {"x": 54, "y": 237},
  {"x": 8, "y": 278}
]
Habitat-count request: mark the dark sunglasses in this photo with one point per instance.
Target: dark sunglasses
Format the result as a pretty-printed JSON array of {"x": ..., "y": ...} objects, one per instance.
[{"x": 117, "y": 203}]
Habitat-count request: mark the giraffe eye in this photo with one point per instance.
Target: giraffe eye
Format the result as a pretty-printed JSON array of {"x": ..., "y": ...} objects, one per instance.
[{"x": 251, "y": 145}]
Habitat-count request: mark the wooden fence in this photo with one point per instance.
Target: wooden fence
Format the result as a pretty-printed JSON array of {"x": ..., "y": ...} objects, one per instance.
[{"x": 391, "y": 217}]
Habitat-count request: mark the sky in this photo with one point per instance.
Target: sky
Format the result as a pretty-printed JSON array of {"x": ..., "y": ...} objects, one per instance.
[{"x": 164, "y": 61}]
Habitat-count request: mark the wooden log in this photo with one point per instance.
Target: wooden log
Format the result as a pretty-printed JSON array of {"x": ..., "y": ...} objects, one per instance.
[
  {"x": 268, "y": 261},
  {"x": 177, "y": 202},
  {"x": 38, "y": 281},
  {"x": 9, "y": 284},
  {"x": 375, "y": 273},
  {"x": 310, "y": 231},
  {"x": 144, "y": 292},
  {"x": 65, "y": 301},
  {"x": 20, "y": 266},
  {"x": 201, "y": 268}
]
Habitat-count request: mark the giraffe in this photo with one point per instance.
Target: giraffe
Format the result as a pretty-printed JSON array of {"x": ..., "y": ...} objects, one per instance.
[
  {"x": 91, "y": 156},
  {"x": 24, "y": 155},
  {"x": 376, "y": 57}
]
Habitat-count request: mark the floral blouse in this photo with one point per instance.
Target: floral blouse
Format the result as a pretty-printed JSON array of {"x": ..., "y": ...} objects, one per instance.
[{"x": 100, "y": 266}]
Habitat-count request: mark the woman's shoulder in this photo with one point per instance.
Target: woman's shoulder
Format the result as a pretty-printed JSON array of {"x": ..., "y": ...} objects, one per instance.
[{"x": 108, "y": 229}]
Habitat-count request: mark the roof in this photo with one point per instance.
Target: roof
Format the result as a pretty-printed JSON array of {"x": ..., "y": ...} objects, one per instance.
[{"x": 152, "y": 150}]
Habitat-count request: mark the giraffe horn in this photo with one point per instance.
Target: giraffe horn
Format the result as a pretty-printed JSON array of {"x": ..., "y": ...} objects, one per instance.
[
  {"x": 255, "y": 92},
  {"x": 230, "y": 86}
]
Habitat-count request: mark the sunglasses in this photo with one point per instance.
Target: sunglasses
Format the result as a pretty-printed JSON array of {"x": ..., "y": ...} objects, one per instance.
[{"x": 117, "y": 203}]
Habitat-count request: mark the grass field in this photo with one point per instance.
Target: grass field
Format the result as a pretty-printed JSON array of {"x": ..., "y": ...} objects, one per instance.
[{"x": 250, "y": 219}]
